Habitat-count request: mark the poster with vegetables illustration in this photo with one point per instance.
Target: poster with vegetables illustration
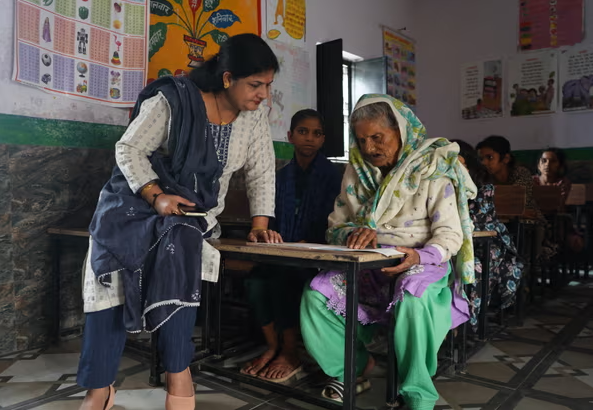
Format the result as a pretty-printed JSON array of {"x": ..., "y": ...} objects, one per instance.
[
  {"x": 183, "y": 33},
  {"x": 285, "y": 21}
]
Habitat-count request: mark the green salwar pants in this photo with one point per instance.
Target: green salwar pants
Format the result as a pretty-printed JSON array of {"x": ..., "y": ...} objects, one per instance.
[{"x": 421, "y": 325}]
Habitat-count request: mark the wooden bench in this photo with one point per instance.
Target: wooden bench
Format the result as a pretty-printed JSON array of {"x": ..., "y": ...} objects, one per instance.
[
  {"x": 577, "y": 195},
  {"x": 548, "y": 198},
  {"x": 509, "y": 200}
]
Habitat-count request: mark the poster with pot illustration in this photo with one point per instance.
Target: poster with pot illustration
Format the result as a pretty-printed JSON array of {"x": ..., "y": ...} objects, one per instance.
[
  {"x": 576, "y": 79},
  {"x": 285, "y": 21},
  {"x": 533, "y": 83},
  {"x": 184, "y": 33},
  {"x": 92, "y": 50}
]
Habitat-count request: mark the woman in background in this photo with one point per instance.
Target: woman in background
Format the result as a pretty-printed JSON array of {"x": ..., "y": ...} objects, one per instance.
[
  {"x": 551, "y": 171},
  {"x": 505, "y": 268}
]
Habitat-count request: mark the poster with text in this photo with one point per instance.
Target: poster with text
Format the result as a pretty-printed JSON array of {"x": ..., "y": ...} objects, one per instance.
[
  {"x": 533, "y": 83},
  {"x": 184, "y": 33},
  {"x": 93, "y": 50},
  {"x": 285, "y": 21},
  {"x": 576, "y": 79},
  {"x": 481, "y": 90},
  {"x": 550, "y": 23},
  {"x": 291, "y": 90},
  {"x": 401, "y": 70}
]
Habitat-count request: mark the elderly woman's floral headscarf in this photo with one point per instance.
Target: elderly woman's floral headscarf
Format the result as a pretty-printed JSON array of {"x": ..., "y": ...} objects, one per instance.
[{"x": 377, "y": 200}]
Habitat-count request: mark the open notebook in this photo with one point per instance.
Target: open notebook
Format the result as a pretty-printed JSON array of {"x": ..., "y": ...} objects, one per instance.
[{"x": 389, "y": 252}]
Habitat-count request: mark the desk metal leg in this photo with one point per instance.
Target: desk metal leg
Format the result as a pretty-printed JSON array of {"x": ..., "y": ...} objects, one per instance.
[
  {"x": 392, "y": 379},
  {"x": 485, "y": 290},
  {"x": 351, "y": 337},
  {"x": 206, "y": 312},
  {"x": 155, "y": 377},
  {"x": 218, "y": 288},
  {"x": 57, "y": 287}
]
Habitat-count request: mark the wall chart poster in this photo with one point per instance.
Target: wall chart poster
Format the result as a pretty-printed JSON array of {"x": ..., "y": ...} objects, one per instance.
[
  {"x": 481, "y": 90},
  {"x": 576, "y": 79},
  {"x": 533, "y": 83},
  {"x": 93, "y": 50},
  {"x": 184, "y": 33},
  {"x": 291, "y": 90},
  {"x": 401, "y": 70},
  {"x": 550, "y": 23},
  {"x": 285, "y": 21}
]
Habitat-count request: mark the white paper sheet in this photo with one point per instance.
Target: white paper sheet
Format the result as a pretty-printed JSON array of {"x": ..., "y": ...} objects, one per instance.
[{"x": 388, "y": 252}]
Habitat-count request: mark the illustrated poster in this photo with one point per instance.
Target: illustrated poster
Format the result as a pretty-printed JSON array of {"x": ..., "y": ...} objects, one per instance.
[
  {"x": 285, "y": 21},
  {"x": 576, "y": 79},
  {"x": 533, "y": 83},
  {"x": 93, "y": 50},
  {"x": 550, "y": 23},
  {"x": 481, "y": 90},
  {"x": 401, "y": 70},
  {"x": 184, "y": 33},
  {"x": 291, "y": 90}
]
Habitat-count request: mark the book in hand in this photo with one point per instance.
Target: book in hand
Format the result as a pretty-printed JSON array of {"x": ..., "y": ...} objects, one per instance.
[{"x": 185, "y": 210}]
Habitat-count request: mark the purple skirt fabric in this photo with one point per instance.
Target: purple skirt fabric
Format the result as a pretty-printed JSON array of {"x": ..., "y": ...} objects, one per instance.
[{"x": 374, "y": 303}]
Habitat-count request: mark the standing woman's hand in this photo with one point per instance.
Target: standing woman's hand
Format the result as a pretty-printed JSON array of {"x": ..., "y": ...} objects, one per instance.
[
  {"x": 264, "y": 236},
  {"x": 169, "y": 204}
]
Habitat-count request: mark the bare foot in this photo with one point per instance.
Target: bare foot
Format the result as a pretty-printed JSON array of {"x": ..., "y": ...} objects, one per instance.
[
  {"x": 95, "y": 399},
  {"x": 180, "y": 384},
  {"x": 281, "y": 366},
  {"x": 256, "y": 365}
]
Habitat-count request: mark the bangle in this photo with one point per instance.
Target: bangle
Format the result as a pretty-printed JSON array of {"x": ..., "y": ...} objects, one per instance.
[
  {"x": 155, "y": 196},
  {"x": 258, "y": 229},
  {"x": 147, "y": 187}
]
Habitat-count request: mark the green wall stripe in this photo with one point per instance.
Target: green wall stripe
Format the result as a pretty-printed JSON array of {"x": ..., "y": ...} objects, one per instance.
[{"x": 21, "y": 130}]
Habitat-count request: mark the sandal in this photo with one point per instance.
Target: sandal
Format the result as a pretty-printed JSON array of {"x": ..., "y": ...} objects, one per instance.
[
  {"x": 254, "y": 361},
  {"x": 337, "y": 387},
  {"x": 293, "y": 373}
]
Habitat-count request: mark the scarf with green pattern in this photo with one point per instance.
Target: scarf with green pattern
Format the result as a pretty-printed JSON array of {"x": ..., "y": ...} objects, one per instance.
[{"x": 376, "y": 199}]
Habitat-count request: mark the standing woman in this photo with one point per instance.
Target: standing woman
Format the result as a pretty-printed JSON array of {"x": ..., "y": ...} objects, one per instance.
[{"x": 146, "y": 259}]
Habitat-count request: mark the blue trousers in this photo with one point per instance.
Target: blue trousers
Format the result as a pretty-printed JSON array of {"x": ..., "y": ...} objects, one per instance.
[{"x": 105, "y": 337}]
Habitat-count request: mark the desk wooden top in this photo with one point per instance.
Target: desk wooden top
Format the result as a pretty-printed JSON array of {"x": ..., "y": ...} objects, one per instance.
[
  {"x": 484, "y": 234},
  {"x": 69, "y": 231},
  {"x": 241, "y": 246}
]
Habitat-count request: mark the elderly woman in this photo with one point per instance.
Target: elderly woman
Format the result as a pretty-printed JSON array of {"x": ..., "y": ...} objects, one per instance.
[{"x": 406, "y": 191}]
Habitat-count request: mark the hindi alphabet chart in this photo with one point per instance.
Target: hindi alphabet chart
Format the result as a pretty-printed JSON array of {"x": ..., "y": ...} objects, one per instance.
[{"x": 92, "y": 50}]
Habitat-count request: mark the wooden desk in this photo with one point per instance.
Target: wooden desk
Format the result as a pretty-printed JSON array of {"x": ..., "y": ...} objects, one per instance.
[{"x": 349, "y": 262}]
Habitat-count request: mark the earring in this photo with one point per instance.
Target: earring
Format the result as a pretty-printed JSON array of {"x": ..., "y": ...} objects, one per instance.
[{"x": 226, "y": 85}]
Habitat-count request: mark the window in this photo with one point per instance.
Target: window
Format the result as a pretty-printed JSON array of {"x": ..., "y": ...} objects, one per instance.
[{"x": 347, "y": 106}]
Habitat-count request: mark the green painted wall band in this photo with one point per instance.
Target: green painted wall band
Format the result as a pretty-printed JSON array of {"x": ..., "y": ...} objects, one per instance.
[{"x": 21, "y": 130}]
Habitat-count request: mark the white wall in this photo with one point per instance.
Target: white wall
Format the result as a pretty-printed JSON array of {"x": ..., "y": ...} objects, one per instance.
[
  {"x": 357, "y": 22},
  {"x": 453, "y": 32}
]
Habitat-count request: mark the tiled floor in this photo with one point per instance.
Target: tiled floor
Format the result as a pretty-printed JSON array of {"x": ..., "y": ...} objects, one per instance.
[{"x": 545, "y": 365}]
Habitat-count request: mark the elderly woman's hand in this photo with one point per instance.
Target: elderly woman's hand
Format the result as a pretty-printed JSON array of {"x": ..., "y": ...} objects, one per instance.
[
  {"x": 412, "y": 258},
  {"x": 265, "y": 236},
  {"x": 361, "y": 238}
]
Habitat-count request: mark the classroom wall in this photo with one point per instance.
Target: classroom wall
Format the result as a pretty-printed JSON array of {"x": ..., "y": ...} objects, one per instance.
[
  {"x": 453, "y": 32},
  {"x": 56, "y": 153}
]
